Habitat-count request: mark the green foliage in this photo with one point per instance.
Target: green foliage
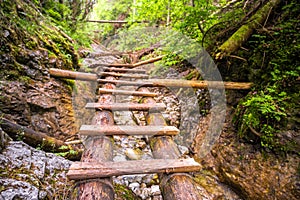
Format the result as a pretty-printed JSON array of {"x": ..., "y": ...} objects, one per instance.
[
  {"x": 179, "y": 15},
  {"x": 263, "y": 113},
  {"x": 266, "y": 111}
]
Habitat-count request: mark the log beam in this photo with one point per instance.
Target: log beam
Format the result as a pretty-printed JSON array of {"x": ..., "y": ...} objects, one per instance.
[
  {"x": 87, "y": 170},
  {"x": 127, "y": 106},
  {"x": 173, "y": 83},
  {"x": 127, "y": 75},
  {"x": 154, "y": 82},
  {"x": 99, "y": 148},
  {"x": 127, "y": 130},
  {"x": 176, "y": 186},
  {"x": 126, "y": 92}
]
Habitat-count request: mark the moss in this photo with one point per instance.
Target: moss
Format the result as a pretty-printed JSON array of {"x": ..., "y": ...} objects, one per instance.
[
  {"x": 124, "y": 192},
  {"x": 32, "y": 44}
]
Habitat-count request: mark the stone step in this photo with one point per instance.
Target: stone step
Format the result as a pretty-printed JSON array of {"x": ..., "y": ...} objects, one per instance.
[
  {"x": 124, "y": 70},
  {"x": 126, "y": 92},
  {"x": 90, "y": 170},
  {"x": 127, "y": 106},
  {"x": 94, "y": 130},
  {"x": 138, "y": 76}
]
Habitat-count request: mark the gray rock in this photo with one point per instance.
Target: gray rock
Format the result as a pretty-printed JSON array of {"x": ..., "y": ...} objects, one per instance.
[{"x": 36, "y": 174}]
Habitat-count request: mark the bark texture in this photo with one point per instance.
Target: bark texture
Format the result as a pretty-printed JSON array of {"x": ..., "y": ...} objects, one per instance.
[
  {"x": 175, "y": 186},
  {"x": 99, "y": 148},
  {"x": 244, "y": 32}
]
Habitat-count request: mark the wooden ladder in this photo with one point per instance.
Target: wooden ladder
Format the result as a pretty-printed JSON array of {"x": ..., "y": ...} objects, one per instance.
[
  {"x": 98, "y": 158},
  {"x": 92, "y": 170}
]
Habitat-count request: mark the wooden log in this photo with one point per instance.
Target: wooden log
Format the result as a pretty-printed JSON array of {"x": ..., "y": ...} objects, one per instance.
[
  {"x": 127, "y": 106},
  {"x": 116, "y": 69},
  {"x": 86, "y": 170},
  {"x": 99, "y": 148},
  {"x": 35, "y": 139},
  {"x": 127, "y": 130},
  {"x": 152, "y": 60},
  {"x": 175, "y": 186},
  {"x": 141, "y": 76},
  {"x": 126, "y": 92},
  {"x": 154, "y": 82},
  {"x": 173, "y": 83},
  {"x": 72, "y": 75}
]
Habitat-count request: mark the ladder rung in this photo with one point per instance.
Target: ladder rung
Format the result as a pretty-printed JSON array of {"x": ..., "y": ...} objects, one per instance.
[
  {"x": 126, "y": 92},
  {"x": 88, "y": 170},
  {"x": 115, "y": 69},
  {"x": 127, "y": 106},
  {"x": 94, "y": 130},
  {"x": 123, "y": 75},
  {"x": 123, "y": 83}
]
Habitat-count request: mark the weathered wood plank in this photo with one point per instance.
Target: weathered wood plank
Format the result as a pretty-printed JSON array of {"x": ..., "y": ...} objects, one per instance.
[
  {"x": 83, "y": 170},
  {"x": 127, "y": 130},
  {"x": 123, "y": 75},
  {"x": 116, "y": 69},
  {"x": 127, "y": 106},
  {"x": 126, "y": 92}
]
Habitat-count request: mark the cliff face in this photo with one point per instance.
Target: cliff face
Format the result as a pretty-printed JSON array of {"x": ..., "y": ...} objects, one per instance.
[{"x": 30, "y": 45}]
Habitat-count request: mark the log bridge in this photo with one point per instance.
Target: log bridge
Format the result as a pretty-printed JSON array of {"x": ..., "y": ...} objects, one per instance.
[{"x": 93, "y": 173}]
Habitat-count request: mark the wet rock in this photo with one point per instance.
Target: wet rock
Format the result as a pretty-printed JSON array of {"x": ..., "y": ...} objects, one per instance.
[
  {"x": 183, "y": 150},
  {"x": 134, "y": 185},
  {"x": 119, "y": 158},
  {"x": 133, "y": 154}
]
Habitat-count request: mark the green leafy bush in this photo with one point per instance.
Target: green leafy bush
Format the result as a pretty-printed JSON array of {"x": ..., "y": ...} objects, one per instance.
[{"x": 266, "y": 110}]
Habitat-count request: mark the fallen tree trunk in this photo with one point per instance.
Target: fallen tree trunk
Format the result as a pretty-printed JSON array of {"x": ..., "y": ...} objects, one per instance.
[
  {"x": 153, "y": 82},
  {"x": 243, "y": 33},
  {"x": 177, "y": 186},
  {"x": 38, "y": 139}
]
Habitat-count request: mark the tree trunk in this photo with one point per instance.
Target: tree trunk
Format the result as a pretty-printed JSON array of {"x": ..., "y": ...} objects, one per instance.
[
  {"x": 37, "y": 139},
  {"x": 243, "y": 33}
]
